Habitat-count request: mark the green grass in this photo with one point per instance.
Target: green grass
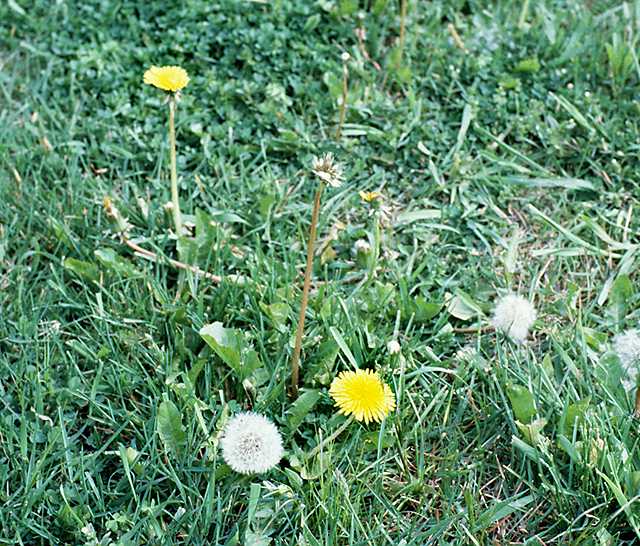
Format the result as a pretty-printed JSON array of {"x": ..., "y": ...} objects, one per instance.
[{"x": 511, "y": 166}]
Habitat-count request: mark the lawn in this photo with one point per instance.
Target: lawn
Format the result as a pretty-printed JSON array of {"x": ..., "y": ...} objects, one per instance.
[{"x": 502, "y": 138}]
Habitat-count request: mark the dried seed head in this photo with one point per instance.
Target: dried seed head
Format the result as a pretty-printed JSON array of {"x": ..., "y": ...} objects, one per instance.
[{"x": 328, "y": 170}]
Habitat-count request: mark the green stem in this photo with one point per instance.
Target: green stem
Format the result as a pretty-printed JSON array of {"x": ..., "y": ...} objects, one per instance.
[
  {"x": 403, "y": 24},
  {"x": 343, "y": 105},
  {"x": 295, "y": 359},
  {"x": 330, "y": 438},
  {"x": 177, "y": 217},
  {"x": 523, "y": 14},
  {"x": 375, "y": 255}
]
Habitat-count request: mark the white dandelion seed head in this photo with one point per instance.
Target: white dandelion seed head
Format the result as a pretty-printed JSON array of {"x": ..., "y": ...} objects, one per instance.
[
  {"x": 327, "y": 169},
  {"x": 251, "y": 443},
  {"x": 627, "y": 347},
  {"x": 514, "y": 315}
]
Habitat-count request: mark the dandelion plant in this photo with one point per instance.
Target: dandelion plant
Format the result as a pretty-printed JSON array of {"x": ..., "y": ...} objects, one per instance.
[
  {"x": 328, "y": 171},
  {"x": 171, "y": 79}
]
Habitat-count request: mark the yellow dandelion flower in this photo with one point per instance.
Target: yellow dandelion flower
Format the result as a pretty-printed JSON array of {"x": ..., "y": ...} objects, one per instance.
[
  {"x": 169, "y": 78},
  {"x": 362, "y": 394},
  {"x": 370, "y": 196}
]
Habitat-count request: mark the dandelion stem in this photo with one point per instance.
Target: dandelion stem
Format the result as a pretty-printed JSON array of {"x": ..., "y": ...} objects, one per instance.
[
  {"x": 403, "y": 25},
  {"x": 376, "y": 246},
  {"x": 343, "y": 104},
  {"x": 295, "y": 359},
  {"x": 637, "y": 408},
  {"x": 329, "y": 438},
  {"x": 177, "y": 217}
]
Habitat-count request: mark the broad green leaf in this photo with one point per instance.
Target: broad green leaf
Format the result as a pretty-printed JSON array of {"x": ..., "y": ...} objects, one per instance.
[
  {"x": 378, "y": 7},
  {"x": 347, "y": 7},
  {"x": 86, "y": 270},
  {"x": 462, "y": 306},
  {"x": 250, "y": 363},
  {"x": 226, "y": 217},
  {"x": 533, "y": 431},
  {"x": 169, "y": 426},
  {"x": 312, "y": 22},
  {"x": 425, "y": 310},
  {"x": 528, "y": 65},
  {"x": 574, "y": 415},
  {"x": 278, "y": 313},
  {"x": 226, "y": 342},
  {"x": 321, "y": 365},
  {"x": 621, "y": 291},
  {"x": 229, "y": 345},
  {"x": 522, "y": 403},
  {"x": 196, "y": 369},
  {"x": 108, "y": 257},
  {"x": 301, "y": 407},
  {"x": 256, "y": 539}
]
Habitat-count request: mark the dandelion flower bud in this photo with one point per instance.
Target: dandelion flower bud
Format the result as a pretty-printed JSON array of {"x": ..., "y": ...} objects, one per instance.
[
  {"x": 627, "y": 347},
  {"x": 251, "y": 444},
  {"x": 361, "y": 247},
  {"x": 514, "y": 315},
  {"x": 393, "y": 347}
]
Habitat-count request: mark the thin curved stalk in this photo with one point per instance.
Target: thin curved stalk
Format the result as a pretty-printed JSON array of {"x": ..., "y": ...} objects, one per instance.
[{"x": 295, "y": 359}]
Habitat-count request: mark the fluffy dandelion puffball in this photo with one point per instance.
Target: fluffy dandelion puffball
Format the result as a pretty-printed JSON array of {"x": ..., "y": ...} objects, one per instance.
[
  {"x": 327, "y": 170},
  {"x": 168, "y": 78},
  {"x": 514, "y": 315},
  {"x": 362, "y": 394},
  {"x": 251, "y": 443},
  {"x": 627, "y": 347}
]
